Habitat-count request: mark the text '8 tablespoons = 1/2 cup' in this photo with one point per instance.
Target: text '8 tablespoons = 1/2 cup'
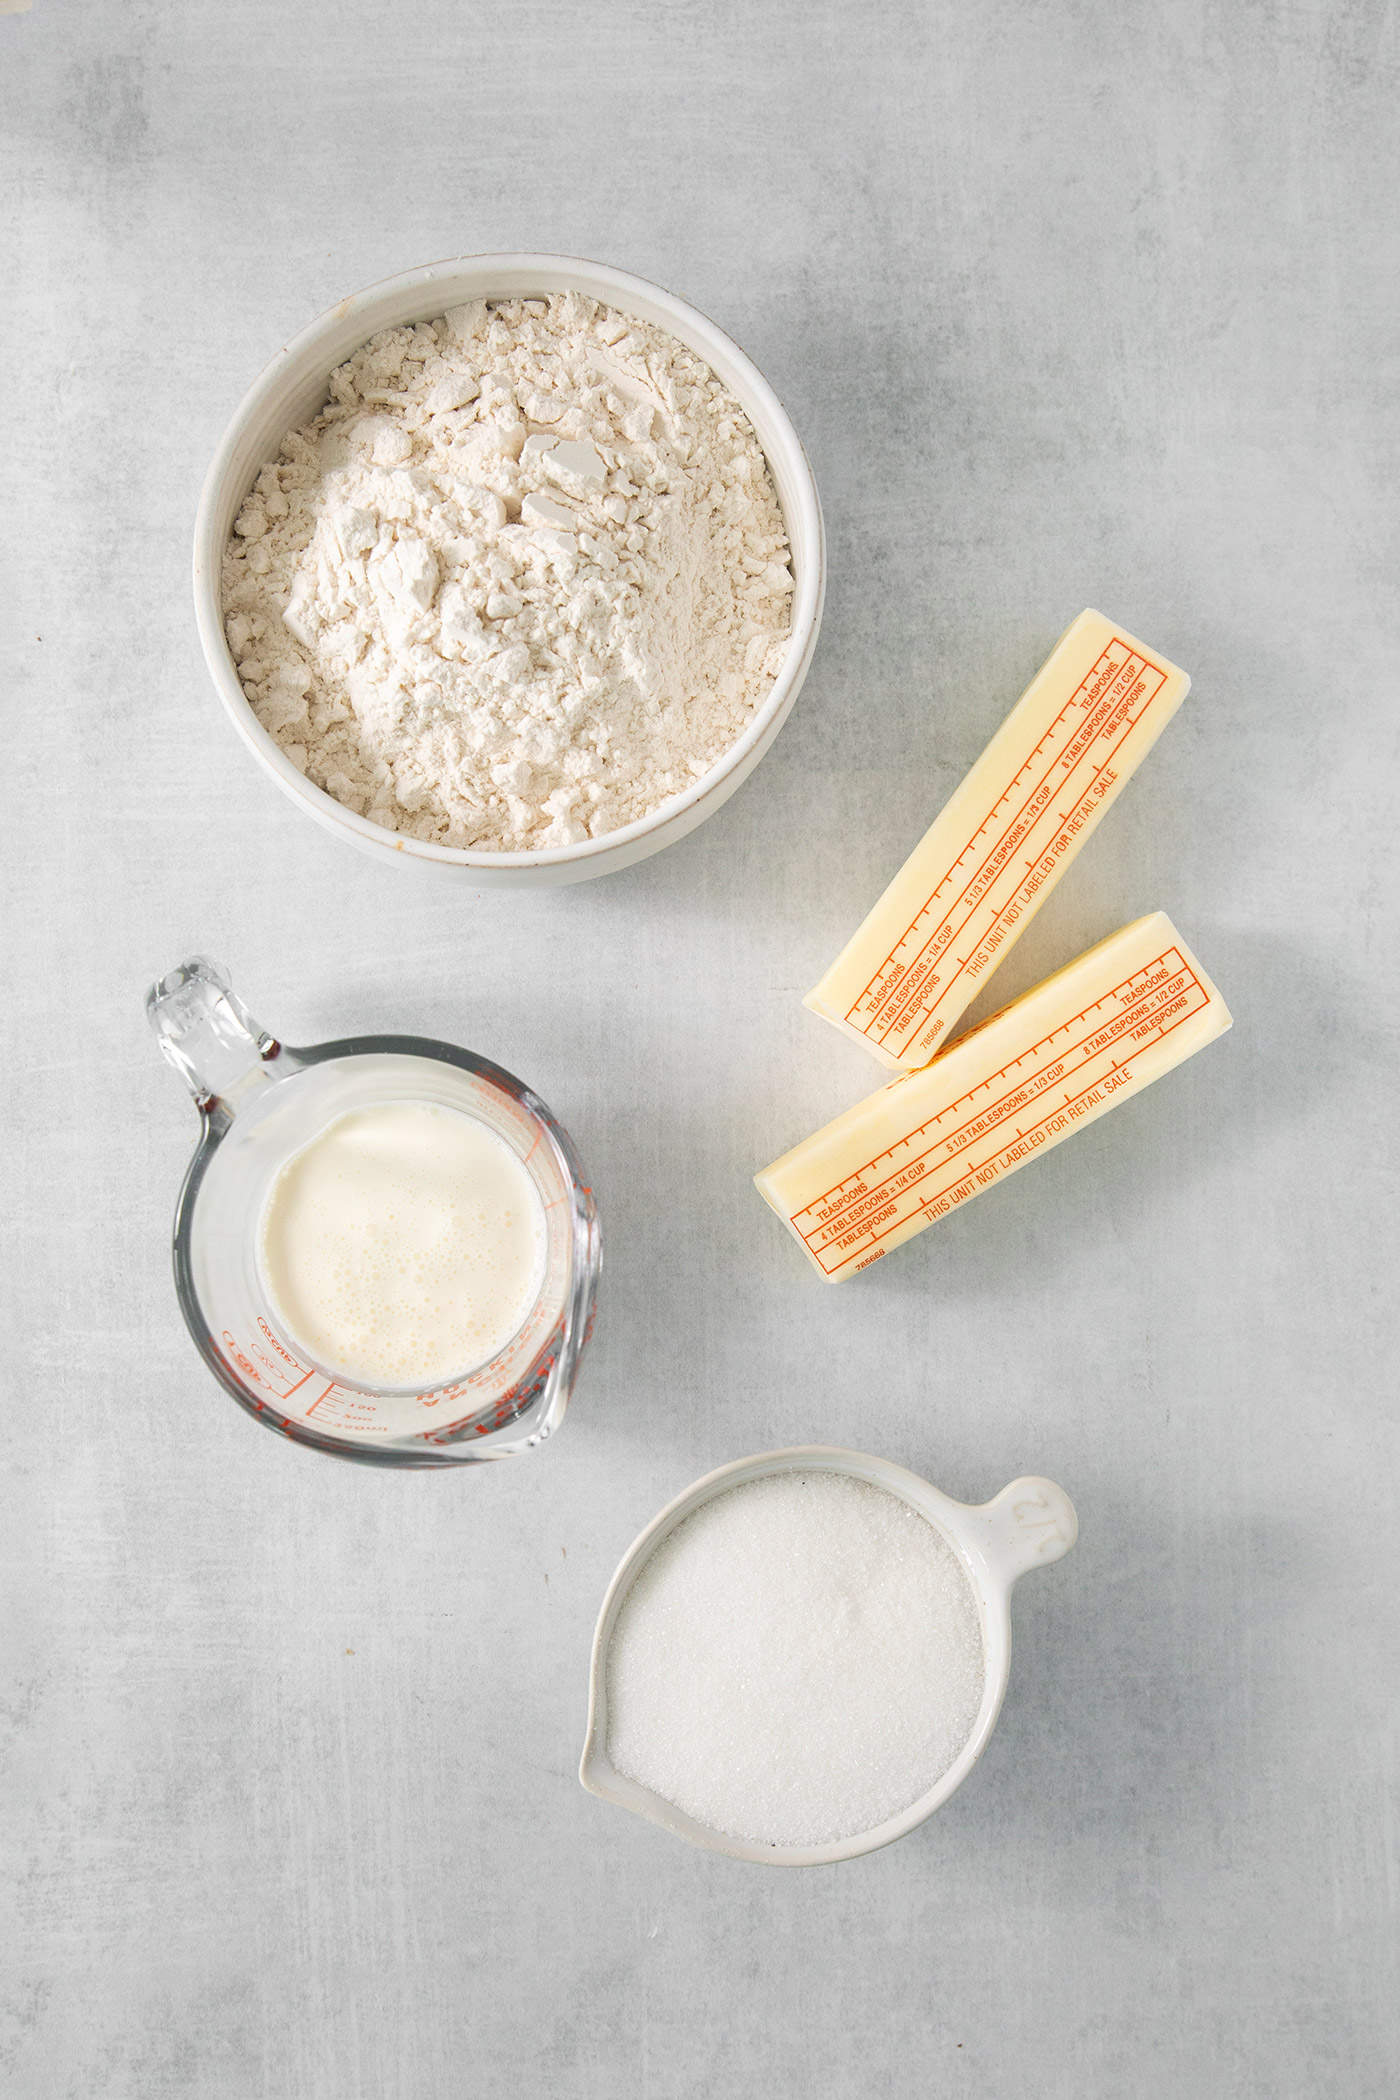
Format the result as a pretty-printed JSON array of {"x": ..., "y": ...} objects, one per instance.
[
  {"x": 1030, "y": 1524},
  {"x": 260, "y": 1101}
]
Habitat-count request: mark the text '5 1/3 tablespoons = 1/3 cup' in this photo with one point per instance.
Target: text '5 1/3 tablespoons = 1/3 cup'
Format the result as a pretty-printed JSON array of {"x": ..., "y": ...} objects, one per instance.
[{"x": 262, "y": 1102}]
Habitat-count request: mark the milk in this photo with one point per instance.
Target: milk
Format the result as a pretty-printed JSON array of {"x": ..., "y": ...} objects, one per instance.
[{"x": 404, "y": 1246}]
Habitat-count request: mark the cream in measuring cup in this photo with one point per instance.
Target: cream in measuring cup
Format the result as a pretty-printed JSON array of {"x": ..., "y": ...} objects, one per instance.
[
  {"x": 404, "y": 1245},
  {"x": 385, "y": 1247}
]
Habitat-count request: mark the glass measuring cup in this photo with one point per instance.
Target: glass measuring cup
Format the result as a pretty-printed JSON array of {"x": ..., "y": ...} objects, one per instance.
[{"x": 259, "y": 1102}]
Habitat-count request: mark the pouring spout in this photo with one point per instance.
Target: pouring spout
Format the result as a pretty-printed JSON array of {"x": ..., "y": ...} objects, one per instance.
[{"x": 208, "y": 1035}]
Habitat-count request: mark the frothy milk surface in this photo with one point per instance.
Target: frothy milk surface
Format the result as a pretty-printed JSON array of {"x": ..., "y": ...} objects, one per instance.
[{"x": 404, "y": 1245}]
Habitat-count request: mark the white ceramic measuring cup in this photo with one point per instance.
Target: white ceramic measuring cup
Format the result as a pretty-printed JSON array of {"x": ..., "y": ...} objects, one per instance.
[
  {"x": 1028, "y": 1525},
  {"x": 260, "y": 1101}
]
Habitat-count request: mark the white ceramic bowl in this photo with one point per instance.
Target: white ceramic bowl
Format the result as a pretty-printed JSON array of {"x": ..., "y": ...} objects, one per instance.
[
  {"x": 296, "y": 384},
  {"x": 1028, "y": 1525}
]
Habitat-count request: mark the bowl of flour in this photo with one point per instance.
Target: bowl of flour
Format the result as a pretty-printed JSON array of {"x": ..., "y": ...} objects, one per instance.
[{"x": 511, "y": 565}]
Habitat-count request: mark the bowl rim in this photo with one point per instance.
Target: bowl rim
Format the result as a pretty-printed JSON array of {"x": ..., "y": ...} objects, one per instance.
[
  {"x": 808, "y": 598},
  {"x": 958, "y": 1524}
]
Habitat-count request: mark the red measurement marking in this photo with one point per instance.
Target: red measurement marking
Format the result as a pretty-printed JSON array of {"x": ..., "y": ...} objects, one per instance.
[
  {"x": 348, "y": 1411},
  {"x": 1118, "y": 991},
  {"x": 1108, "y": 686},
  {"x": 875, "y": 1208}
]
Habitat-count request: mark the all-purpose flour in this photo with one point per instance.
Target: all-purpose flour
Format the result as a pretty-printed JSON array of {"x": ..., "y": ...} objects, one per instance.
[{"x": 521, "y": 580}]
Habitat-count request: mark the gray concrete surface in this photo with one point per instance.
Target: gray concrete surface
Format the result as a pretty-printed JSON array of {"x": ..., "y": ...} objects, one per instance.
[{"x": 1073, "y": 304}]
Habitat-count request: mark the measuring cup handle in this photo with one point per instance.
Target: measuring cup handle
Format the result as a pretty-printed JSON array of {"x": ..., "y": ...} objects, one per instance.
[
  {"x": 1028, "y": 1525},
  {"x": 206, "y": 1032}
]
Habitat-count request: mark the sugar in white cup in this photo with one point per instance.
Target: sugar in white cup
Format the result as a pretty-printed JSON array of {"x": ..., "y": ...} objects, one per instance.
[
  {"x": 296, "y": 385},
  {"x": 1028, "y": 1525}
]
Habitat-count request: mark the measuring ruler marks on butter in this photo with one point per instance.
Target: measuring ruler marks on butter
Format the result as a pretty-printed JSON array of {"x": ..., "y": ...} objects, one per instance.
[
  {"x": 1051, "y": 1063},
  {"x": 977, "y": 878}
]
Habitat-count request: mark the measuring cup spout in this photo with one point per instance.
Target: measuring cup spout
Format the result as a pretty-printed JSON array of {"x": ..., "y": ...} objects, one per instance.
[{"x": 206, "y": 1032}]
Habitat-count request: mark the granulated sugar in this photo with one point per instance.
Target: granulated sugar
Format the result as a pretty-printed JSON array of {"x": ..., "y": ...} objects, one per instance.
[
  {"x": 801, "y": 1659},
  {"x": 522, "y": 580}
]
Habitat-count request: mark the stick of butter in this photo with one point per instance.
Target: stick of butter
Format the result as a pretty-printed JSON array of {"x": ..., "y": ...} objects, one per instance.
[
  {"x": 976, "y": 880},
  {"x": 1053, "y": 1061}
]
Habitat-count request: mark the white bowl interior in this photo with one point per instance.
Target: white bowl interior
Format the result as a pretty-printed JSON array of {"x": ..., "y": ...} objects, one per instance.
[
  {"x": 296, "y": 385},
  {"x": 957, "y": 1522}
]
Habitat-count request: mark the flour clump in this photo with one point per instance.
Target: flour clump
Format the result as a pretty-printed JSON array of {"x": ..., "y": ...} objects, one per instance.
[{"x": 524, "y": 578}]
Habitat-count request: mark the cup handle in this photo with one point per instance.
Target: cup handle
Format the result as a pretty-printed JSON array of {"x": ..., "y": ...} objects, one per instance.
[
  {"x": 207, "y": 1033},
  {"x": 1028, "y": 1525}
]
